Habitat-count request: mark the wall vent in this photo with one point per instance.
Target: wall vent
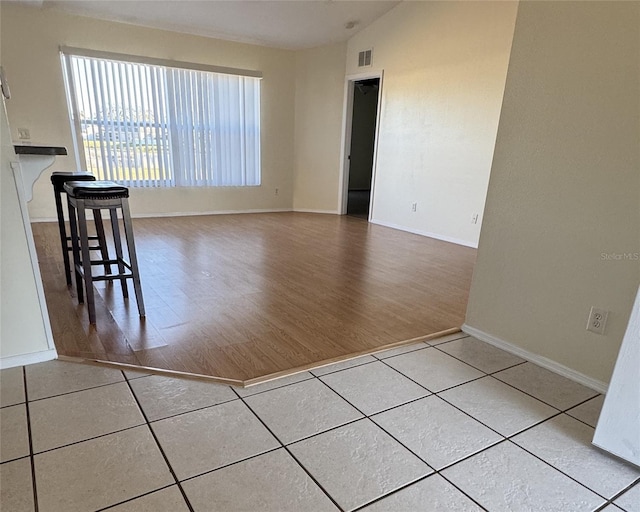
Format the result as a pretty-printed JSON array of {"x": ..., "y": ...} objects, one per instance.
[{"x": 365, "y": 58}]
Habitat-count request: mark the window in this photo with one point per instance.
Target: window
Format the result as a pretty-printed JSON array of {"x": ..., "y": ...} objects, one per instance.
[{"x": 152, "y": 123}]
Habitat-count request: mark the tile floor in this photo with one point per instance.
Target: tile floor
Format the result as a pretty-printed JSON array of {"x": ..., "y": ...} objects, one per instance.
[{"x": 453, "y": 424}]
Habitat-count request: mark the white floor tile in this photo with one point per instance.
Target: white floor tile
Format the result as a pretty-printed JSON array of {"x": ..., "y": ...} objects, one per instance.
[
  {"x": 11, "y": 386},
  {"x": 433, "y": 494},
  {"x": 448, "y": 337},
  {"x": 14, "y": 434},
  {"x": 203, "y": 440},
  {"x": 435, "y": 431},
  {"x": 498, "y": 406},
  {"x": 78, "y": 416},
  {"x": 134, "y": 374},
  {"x": 545, "y": 385},
  {"x": 58, "y": 377},
  {"x": 358, "y": 463},
  {"x": 433, "y": 369},
  {"x": 273, "y": 384},
  {"x": 630, "y": 500},
  {"x": 166, "y": 500},
  {"x": 161, "y": 397},
  {"x": 400, "y": 350},
  {"x": 480, "y": 355},
  {"x": 589, "y": 412},
  {"x": 272, "y": 482},
  {"x": 374, "y": 387},
  {"x": 101, "y": 472},
  {"x": 565, "y": 443},
  {"x": 506, "y": 478},
  {"x": 343, "y": 365},
  {"x": 16, "y": 488},
  {"x": 301, "y": 410}
]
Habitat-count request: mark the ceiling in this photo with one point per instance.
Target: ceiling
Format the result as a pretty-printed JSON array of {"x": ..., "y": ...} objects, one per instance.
[{"x": 293, "y": 24}]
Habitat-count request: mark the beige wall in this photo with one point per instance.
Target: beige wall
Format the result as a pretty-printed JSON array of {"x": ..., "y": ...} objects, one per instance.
[
  {"x": 30, "y": 41},
  {"x": 444, "y": 70},
  {"x": 22, "y": 327},
  {"x": 318, "y": 127},
  {"x": 565, "y": 186}
]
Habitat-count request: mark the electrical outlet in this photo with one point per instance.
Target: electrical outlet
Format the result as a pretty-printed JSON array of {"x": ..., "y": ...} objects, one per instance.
[
  {"x": 597, "y": 320},
  {"x": 414, "y": 207},
  {"x": 23, "y": 134},
  {"x": 277, "y": 191}
]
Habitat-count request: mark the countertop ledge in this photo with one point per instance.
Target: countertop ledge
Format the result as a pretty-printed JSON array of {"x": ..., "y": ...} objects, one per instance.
[{"x": 28, "y": 149}]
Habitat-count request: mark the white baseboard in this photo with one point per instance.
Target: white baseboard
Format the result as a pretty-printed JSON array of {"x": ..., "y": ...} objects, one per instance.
[
  {"x": 309, "y": 210},
  {"x": 183, "y": 214},
  {"x": 216, "y": 212},
  {"x": 25, "y": 359},
  {"x": 549, "y": 364},
  {"x": 43, "y": 219},
  {"x": 424, "y": 233}
]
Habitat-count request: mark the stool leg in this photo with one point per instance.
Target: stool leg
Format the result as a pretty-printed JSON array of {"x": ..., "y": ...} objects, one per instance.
[
  {"x": 117, "y": 241},
  {"x": 133, "y": 260},
  {"x": 73, "y": 224},
  {"x": 104, "y": 251},
  {"x": 63, "y": 237},
  {"x": 86, "y": 260}
]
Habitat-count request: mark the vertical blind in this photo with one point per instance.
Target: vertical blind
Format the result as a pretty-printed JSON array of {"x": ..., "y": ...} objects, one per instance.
[{"x": 150, "y": 125}]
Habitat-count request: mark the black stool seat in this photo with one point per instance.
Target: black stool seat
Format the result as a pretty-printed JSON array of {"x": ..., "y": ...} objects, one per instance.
[
  {"x": 96, "y": 196},
  {"x": 95, "y": 190},
  {"x": 59, "y": 178}
]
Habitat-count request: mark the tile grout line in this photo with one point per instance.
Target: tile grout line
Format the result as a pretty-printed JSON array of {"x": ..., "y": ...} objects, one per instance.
[
  {"x": 79, "y": 390},
  {"x": 377, "y": 359},
  {"x": 472, "y": 366},
  {"x": 290, "y": 454},
  {"x": 228, "y": 465},
  {"x": 164, "y": 455},
  {"x": 539, "y": 399},
  {"x": 109, "y": 507},
  {"x": 48, "y": 450},
  {"x": 31, "y": 455},
  {"x": 505, "y": 438},
  {"x": 557, "y": 469},
  {"x": 409, "y": 484},
  {"x": 610, "y": 501},
  {"x": 378, "y": 412}
]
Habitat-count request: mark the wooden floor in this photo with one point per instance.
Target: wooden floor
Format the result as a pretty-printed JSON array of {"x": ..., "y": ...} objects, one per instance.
[{"x": 245, "y": 298}]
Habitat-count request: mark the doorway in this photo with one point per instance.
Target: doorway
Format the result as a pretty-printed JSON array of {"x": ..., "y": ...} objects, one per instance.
[{"x": 361, "y": 149}]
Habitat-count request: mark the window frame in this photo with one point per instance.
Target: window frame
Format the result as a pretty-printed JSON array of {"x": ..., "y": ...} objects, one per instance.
[{"x": 74, "y": 117}]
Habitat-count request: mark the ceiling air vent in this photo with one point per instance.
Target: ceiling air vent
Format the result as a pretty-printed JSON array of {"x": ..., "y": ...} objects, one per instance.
[{"x": 365, "y": 58}]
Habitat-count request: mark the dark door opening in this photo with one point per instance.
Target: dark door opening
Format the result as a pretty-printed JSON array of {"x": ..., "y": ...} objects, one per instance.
[{"x": 363, "y": 131}]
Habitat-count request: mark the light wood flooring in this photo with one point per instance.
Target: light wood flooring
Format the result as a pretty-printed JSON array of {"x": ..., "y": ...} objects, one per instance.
[{"x": 246, "y": 298}]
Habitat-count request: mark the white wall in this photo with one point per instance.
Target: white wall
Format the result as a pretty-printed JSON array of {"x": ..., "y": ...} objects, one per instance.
[
  {"x": 444, "y": 70},
  {"x": 30, "y": 41},
  {"x": 22, "y": 327},
  {"x": 318, "y": 127},
  {"x": 617, "y": 430},
  {"x": 563, "y": 204}
]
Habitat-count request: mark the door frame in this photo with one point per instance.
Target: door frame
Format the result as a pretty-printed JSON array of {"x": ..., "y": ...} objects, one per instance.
[{"x": 347, "y": 120}]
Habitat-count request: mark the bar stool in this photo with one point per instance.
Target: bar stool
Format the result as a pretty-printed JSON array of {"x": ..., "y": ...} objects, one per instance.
[
  {"x": 96, "y": 195},
  {"x": 58, "y": 179}
]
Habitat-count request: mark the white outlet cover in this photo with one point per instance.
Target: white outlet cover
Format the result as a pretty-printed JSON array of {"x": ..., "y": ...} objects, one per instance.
[{"x": 597, "y": 320}]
